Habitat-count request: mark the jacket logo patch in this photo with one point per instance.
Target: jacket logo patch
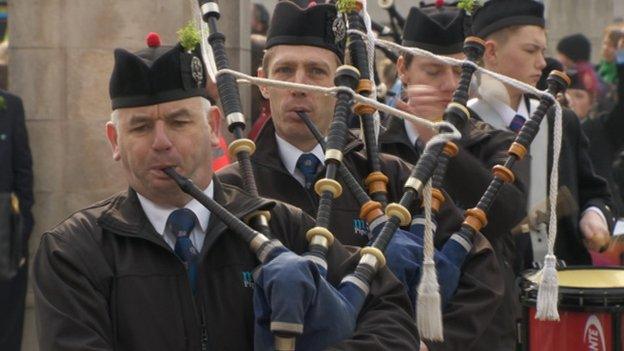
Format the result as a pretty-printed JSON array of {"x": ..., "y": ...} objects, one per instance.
[
  {"x": 360, "y": 227},
  {"x": 248, "y": 280}
]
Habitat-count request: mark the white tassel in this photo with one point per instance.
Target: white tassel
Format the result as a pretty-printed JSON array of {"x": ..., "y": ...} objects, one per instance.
[
  {"x": 548, "y": 291},
  {"x": 428, "y": 305}
]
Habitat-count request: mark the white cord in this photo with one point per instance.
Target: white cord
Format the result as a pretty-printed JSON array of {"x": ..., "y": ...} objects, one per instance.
[
  {"x": 454, "y": 134},
  {"x": 428, "y": 301}
]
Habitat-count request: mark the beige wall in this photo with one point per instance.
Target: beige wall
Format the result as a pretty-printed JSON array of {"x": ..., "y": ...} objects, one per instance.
[{"x": 60, "y": 59}]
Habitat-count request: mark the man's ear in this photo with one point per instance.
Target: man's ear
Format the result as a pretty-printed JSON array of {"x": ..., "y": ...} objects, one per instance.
[
  {"x": 402, "y": 70},
  {"x": 111, "y": 135},
  {"x": 214, "y": 119},
  {"x": 263, "y": 88},
  {"x": 490, "y": 55}
]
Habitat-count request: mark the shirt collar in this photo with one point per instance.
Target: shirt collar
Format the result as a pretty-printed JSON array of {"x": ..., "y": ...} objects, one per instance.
[
  {"x": 158, "y": 214},
  {"x": 290, "y": 154},
  {"x": 507, "y": 113},
  {"x": 412, "y": 133}
]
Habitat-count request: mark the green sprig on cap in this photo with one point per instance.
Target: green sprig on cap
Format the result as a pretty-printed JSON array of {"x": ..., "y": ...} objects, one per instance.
[
  {"x": 346, "y": 6},
  {"x": 470, "y": 6},
  {"x": 189, "y": 36}
]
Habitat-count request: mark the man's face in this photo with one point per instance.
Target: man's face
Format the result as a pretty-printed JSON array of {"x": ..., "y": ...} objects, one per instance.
[
  {"x": 520, "y": 56},
  {"x": 428, "y": 71},
  {"x": 580, "y": 101},
  {"x": 300, "y": 64},
  {"x": 565, "y": 61},
  {"x": 171, "y": 134}
]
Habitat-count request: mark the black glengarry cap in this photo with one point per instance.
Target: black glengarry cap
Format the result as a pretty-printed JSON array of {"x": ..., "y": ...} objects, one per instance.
[
  {"x": 156, "y": 74},
  {"x": 439, "y": 29},
  {"x": 315, "y": 25},
  {"x": 495, "y": 15}
]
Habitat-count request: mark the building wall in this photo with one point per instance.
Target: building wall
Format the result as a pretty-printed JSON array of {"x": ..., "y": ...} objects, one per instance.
[{"x": 60, "y": 60}]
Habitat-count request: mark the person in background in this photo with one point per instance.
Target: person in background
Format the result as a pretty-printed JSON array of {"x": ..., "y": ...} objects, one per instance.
[
  {"x": 260, "y": 19},
  {"x": 606, "y": 68},
  {"x": 16, "y": 176},
  {"x": 605, "y": 132},
  {"x": 574, "y": 52}
]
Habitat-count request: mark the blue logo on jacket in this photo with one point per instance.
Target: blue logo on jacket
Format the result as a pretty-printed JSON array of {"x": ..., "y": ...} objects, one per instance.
[
  {"x": 360, "y": 227},
  {"x": 248, "y": 280}
]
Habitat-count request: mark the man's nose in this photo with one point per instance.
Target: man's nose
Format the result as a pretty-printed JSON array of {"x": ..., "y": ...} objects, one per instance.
[
  {"x": 161, "y": 139},
  {"x": 541, "y": 62},
  {"x": 300, "y": 77},
  {"x": 450, "y": 80}
]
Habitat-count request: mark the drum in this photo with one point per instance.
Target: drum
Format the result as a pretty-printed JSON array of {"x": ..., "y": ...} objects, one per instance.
[{"x": 591, "y": 304}]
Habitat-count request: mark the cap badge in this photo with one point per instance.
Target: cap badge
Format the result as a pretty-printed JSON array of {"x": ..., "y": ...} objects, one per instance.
[{"x": 197, "y": 71}]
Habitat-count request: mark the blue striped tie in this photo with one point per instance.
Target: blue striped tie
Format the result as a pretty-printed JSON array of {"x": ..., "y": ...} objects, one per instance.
[
  {"x": 307, "y": 164},
  {"x": 516, "y": 123},
  {"x": 181, "y": 223}
]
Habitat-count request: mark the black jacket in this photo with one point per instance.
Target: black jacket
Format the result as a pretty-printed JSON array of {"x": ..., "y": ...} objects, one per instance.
[
  {"x": 16, "y": 175},
  {"x": 105, "y": 280},
  {"x": 467, "y": 177},
  {"x": 469, "y": 172},
  {"x": 576, "y": 172},
  {"x": 480, "y": 290}
]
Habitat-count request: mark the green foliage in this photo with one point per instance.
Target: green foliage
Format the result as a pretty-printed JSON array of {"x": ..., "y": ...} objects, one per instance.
[
  {"x": 470, "y": 6},
  {"x": 346, "y": 6},
  {"x": 189, "y": 36}
]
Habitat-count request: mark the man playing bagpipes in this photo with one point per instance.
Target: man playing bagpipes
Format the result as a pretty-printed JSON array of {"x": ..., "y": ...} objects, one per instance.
[
  {"x": 515, "y": 45},
  {"x": 302, "y": 48},
  {"x": 428, "y": 88},
  {"x": 151, "y": 268}
]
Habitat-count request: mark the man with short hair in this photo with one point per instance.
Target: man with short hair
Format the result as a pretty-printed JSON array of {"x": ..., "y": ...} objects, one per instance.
[
  {"x": 151, "y": 268},
  {"x": 515, "y": 45},
  {"x": 428, "y": 88},
  {"x": 302, "y": 48}
]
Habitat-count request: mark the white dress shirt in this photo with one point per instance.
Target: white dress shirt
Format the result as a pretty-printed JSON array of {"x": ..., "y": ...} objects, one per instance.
[
  {"x": 412, "y": 133},
  {"x": 290, "y": 155},
  {"x": 158, "y": 215},
  {"x": 539, "y": 147}
]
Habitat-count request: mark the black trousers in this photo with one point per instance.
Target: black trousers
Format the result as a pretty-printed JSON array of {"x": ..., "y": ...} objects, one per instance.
[{"x": 12, "y": 305}]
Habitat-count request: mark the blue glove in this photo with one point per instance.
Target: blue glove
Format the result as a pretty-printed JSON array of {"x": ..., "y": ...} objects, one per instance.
[{"x": 290, "y": 293}]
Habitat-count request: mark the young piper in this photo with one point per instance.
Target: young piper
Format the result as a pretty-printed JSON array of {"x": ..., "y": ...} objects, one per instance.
[
  {"x": 428, "y": 88},
  {"x": 515, "y": 45}
]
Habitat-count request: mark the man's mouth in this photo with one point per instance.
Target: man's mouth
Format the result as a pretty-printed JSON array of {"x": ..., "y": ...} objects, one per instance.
[{"x": 159, "y": 170}]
